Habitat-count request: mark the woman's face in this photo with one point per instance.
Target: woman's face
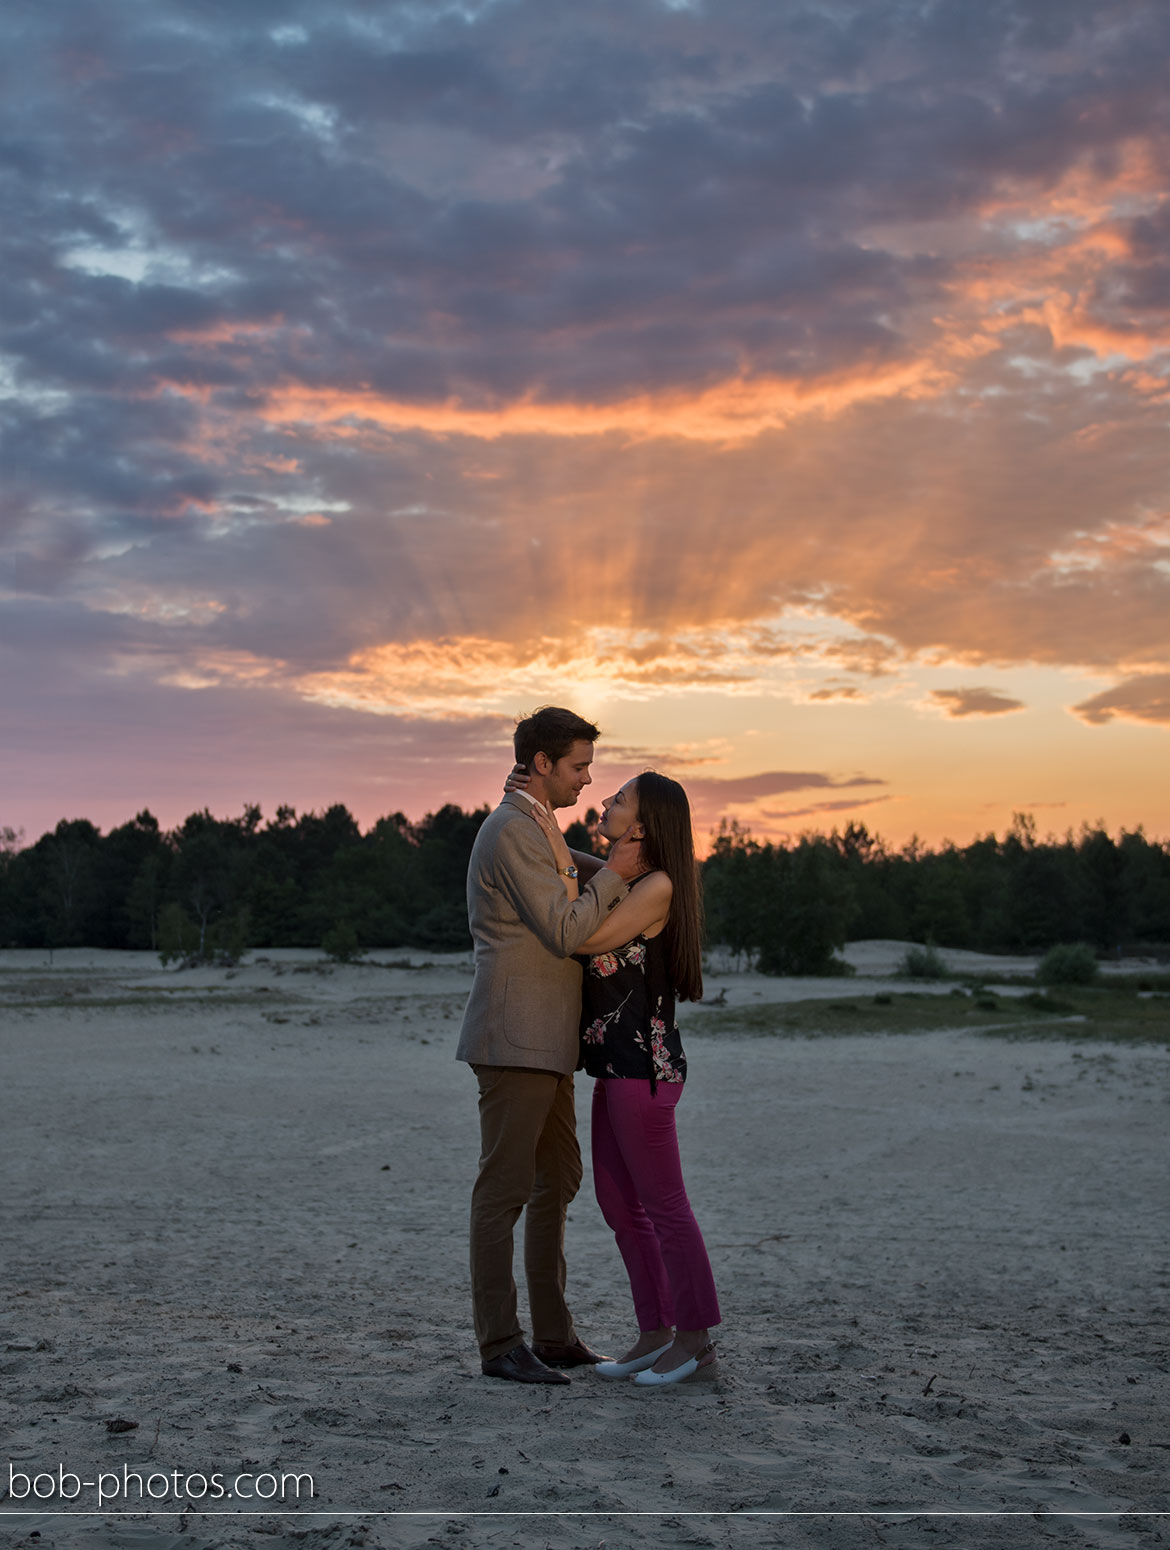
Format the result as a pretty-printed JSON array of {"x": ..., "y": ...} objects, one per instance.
[{"x": 620, "y": 812}]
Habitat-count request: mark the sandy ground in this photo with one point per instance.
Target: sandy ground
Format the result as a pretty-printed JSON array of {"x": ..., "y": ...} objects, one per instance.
[{"x": 234, "y": 1213}]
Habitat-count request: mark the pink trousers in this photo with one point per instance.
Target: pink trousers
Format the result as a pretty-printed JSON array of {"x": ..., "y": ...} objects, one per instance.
[{"x": 639, "y": 1185}]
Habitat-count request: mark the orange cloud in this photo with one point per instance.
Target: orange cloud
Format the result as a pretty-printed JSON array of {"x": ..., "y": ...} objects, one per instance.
[
  {"x": 1049, "y": 260},
  {"x": 731, "y": 411},
  {"x": 846, "y": 692},
  {"x": 1117, "y": 543}
]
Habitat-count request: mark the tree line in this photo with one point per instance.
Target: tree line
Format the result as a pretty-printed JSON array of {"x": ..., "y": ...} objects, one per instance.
[{"x": 214, "y": 887}]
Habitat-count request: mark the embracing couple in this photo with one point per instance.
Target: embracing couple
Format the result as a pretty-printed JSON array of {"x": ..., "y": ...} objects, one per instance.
[{"x": 578, "y": 962}]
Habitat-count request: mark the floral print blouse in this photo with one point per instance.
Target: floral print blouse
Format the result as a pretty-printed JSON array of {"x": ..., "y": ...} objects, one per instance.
[{"x": 628, "y": 1026}]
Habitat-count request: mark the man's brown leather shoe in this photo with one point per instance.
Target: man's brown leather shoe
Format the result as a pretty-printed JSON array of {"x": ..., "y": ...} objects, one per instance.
[
  {"x": 576, "y": 1355},
  {"x": 521, "y": 1366}
]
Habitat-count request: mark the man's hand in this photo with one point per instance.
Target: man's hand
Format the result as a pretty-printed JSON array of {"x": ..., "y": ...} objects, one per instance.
[{"x": 625, "y": 858}]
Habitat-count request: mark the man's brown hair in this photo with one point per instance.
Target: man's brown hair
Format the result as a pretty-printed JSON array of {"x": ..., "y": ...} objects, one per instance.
[{"x": 553, "y": 731}]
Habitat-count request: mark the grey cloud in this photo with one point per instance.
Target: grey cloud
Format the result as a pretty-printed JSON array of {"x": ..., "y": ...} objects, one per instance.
[
  {"x": 753, "y": 788},
  {"x": 974, "y": 702},
  {"x": 650, "y": 205},
  {"x": 783, "y": 814},
  {"x": 1143, "y": 698},
  {"x": 690, "y": 206}
]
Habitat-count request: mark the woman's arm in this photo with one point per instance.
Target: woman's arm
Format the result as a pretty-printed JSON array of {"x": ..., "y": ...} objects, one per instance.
[
  {"x": 645, "y": 908},
  {"x": 519, "y": 869},
  {"x": 585, "y": 864}
]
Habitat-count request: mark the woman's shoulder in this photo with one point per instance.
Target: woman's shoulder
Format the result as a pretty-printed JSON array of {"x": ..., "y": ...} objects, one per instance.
[
  {"x": 654, "y": 885},
  {"x": 655, "y": 891}
]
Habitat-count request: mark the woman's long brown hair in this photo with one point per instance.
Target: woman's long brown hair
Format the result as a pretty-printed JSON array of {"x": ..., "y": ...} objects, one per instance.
[{"x": 669, "y": 846}]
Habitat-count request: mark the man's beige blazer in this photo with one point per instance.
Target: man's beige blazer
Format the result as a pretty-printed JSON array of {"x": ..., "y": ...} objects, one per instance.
[{"x": 525, "y": 1003}]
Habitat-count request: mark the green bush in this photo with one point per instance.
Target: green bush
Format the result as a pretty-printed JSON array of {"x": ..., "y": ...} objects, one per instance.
[
  {"x": 922, "y": 963},
  {"x": 341, "y": 943},
  {"x": 227, "y": 940},
  {"x": 178, "y": 936},
  {"x": 1071, "y": 963},
  {"x": 181, "y": 941}
]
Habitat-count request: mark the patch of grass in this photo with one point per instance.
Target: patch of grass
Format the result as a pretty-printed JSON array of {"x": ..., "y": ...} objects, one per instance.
[
  {"x": 1157, "y": 981},
  {"x": 159, "y": 1000},
  {"x": 1055, "y": 1006},
  {"x": 1080, "y": 1014}
]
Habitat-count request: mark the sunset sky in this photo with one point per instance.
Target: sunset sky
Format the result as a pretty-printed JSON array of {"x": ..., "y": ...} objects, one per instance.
[{"x": 780, "y": 383}]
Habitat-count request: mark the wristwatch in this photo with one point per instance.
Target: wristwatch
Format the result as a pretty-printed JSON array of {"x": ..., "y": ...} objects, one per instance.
[{"x": 567, "y": 871}]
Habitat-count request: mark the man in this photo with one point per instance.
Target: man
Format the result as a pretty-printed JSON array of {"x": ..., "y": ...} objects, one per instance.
[{"x": 520, "y": 1036}]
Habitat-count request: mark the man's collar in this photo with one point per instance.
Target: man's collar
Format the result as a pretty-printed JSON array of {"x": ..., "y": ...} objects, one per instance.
[{"x": 532, "y": 802}]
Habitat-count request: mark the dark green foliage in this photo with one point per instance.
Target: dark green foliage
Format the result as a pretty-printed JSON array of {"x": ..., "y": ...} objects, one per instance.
[
  {"x": 581, "y": 834},
  {"x": 178, "y": 935},
  {"x": 811, "y": 898},
  {"x": 214, "y": 887},
  {"x": 1069, "y": 963},
  {"x": 785, "y": 908},
  {"x": 1020, "y": 893}
]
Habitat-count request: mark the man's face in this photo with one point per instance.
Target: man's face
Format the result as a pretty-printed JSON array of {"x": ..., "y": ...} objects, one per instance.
[{"x": 569, "y": 775}]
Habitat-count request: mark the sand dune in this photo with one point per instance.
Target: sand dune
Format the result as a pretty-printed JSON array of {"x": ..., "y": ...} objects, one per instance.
[{"x": 234, "y": 1213}]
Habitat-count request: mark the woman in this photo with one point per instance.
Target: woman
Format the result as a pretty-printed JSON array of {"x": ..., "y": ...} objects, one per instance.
[{"x": 647, "y": 950}]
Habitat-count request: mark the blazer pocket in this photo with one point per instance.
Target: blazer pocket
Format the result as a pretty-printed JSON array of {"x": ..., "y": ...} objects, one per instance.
[{"x": 535, "y": 1013}]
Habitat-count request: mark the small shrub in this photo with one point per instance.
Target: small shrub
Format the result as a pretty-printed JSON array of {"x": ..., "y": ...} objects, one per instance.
[
  {"x": 227, "y": 940},
  {"x": 341, "y": 943},
  {"x": 224, "y": 942},
  {"x": 986, "y": 1002},
  {"x": 1071, "y": 963},
  {"x": 178, "y": 936},
  {"x": 922, "y": 963}
]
